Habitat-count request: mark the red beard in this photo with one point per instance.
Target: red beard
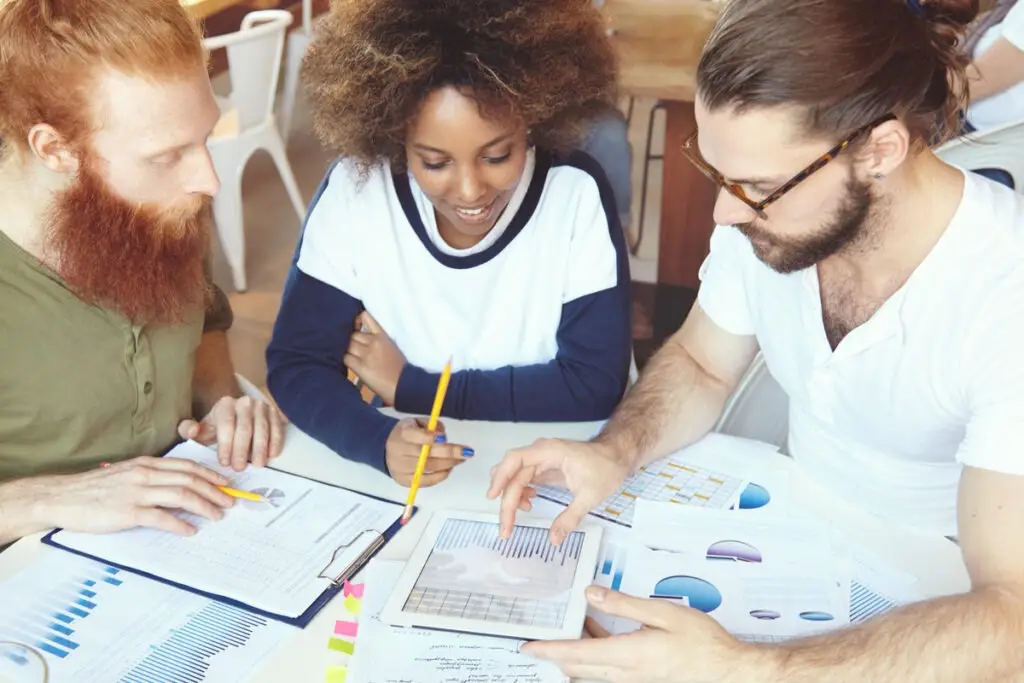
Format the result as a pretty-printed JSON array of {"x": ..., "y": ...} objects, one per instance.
[{"x": 144, "y": 262}]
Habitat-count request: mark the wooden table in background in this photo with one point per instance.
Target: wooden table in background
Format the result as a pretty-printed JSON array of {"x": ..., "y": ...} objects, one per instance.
[{"x": 659, "y": 43}]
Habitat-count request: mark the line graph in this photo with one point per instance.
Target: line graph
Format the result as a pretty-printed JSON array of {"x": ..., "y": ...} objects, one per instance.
[{"x": 472, "y": 573}]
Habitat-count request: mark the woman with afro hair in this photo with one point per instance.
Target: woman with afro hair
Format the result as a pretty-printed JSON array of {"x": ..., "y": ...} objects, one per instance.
[{"x": 456, "y": 224}]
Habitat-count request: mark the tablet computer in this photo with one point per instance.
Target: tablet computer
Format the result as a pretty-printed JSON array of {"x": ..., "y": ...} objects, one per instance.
[{"x": 463, "y": 577}]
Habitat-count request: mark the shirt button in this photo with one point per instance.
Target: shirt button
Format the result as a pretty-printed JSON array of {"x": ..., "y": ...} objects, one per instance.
[{"x": 147, "y": 388}]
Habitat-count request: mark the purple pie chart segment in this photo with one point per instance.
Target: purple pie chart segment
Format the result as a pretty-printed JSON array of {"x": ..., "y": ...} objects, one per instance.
[
  {"x": 735, "y": 551},
  {"x": 765, "y": 614}
]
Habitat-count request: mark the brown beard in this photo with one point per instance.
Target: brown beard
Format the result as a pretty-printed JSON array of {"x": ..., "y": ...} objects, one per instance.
[{"x": 145, "y": 262}]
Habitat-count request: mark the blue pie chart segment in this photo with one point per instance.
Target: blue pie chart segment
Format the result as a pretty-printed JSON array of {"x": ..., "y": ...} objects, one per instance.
[
  {"x": 700, "y": 594},
  {"x": 765, "y": 614},
  {"x": 816, "y": 616},
  {"x": 735, "y": 551},
  {"x": 753, "y": 497}
]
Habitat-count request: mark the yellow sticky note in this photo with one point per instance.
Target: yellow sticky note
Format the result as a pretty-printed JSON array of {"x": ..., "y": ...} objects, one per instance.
[
  {"x": 336, "y": 674},
  {"x": 340, "y": 645},
  {"x": 353, "y": 604}
]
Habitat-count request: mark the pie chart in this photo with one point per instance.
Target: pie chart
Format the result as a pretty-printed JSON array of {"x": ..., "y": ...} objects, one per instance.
[
  {"x": 765, "y": 614},
  {"x": 734, "y": 551},
  {"x": 273, "y": 496},
  {"x": 816, "y": 616},
  {"x": 753, "y": 497},
  {"x": 699, "y": 593}
]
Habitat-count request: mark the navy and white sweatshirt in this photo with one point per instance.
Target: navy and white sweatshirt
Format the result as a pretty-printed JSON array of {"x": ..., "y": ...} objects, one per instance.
[{"x": 536, "y": 317}]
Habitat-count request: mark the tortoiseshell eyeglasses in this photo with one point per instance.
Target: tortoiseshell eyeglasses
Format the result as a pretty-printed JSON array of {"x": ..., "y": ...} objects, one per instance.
[{"x": 693, "y": 154}]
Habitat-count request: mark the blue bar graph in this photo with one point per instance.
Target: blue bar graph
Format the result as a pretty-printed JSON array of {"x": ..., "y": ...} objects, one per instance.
[{"x": 184, "y": 656}]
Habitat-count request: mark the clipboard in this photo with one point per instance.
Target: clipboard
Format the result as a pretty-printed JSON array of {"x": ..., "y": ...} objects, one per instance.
[{"x": 335, "y": 582}]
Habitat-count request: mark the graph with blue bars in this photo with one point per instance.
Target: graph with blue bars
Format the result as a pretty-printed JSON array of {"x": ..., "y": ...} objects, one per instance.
[{"x": 75, "y": 612}]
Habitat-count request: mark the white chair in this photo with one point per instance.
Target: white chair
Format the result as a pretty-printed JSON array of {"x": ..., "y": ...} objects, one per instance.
[
  {"x": 247, "y": 124},
  {"x": 758, "y": 409},
  {"x": 1000, "y": 148},
  {"x": 298, "y": 43}
]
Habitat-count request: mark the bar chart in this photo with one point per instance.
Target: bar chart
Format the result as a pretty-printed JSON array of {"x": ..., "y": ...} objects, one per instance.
[
  {"x": 70, "y": 610},
  {"x": 472, "y": 573}
]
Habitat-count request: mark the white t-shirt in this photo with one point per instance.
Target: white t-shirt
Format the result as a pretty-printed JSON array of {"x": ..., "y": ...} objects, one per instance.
[
  {"x": 1008, "y": 105},
  {"x": 934, "y": 380},
  {"x": 375, "y": 239}
]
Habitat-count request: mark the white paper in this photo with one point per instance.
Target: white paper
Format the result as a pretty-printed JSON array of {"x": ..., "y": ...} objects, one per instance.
[
  {"x": 95, "y": 624},
  {"x": 877, "y": 587},
  {"x": 698, "y": 475},
  {"x": 750, "y": 601},
  {"x": 762, "y": 578},
  {"x": 394, "y": 654},
  {"x": 264, "y": 554}
]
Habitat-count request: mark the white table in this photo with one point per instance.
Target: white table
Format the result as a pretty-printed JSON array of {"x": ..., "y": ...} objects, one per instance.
[{"x": 936, "y": 562}]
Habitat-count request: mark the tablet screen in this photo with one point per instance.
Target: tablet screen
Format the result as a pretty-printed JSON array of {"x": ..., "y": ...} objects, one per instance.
[{"x": 471, "y": 573}]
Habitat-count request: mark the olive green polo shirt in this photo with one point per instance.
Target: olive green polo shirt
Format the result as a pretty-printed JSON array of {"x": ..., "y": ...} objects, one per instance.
[{"x": 80, "y": 384}]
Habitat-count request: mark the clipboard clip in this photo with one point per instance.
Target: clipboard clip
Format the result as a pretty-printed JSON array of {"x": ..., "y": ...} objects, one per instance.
[{"x": 357, "y": 564}]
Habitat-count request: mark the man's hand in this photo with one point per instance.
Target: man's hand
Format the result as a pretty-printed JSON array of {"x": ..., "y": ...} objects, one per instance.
[
  {"x": 244, "y": 429},
  {"x": 402, "y": 453},
  {"x": 139, "y": 492},
  {"x": 375, "y": 358},
  {"x": 591, "y": 471},
  {"x": 676, "y": 645}
]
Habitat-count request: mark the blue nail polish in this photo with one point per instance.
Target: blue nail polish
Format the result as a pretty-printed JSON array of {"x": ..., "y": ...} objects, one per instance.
[
  {"x": 468, "y": 452},
  {"x": 440, "y": 438}
]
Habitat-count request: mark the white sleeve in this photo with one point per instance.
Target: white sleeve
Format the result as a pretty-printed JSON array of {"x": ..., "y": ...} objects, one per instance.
[
  {"x": 993, "y": 372},
  {"x": 592, "y": 265},
  {"x": 722, "y": 294},
  {"x": 326, "y": 253},
  {"x": 1012, "y": 26}
]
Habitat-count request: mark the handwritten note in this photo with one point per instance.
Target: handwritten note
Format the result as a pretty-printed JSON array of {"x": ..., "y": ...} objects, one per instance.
[{"x": 390, "y": 654}]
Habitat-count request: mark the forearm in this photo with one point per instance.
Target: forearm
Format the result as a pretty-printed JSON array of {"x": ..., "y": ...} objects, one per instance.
[
  {"x": 970, "y": 638},
  {"x": 321, "y": 402},
  {"x": 674, "y": 404},
  {"x": 547, "y": 392},
  {"x": 214, "y": 375},
  {"x": 995, "y": 70},
  {"x": 21, "y": 506}
]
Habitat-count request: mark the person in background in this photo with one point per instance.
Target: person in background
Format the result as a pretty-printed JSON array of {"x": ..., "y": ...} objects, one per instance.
[
  {"x": 607, "y": 141},
  {"x": 111, "y": 334},
  {"x": 996, "y": 72},
  {"x": 454, "y": 226},
  {"x": 883, "y": 288}
]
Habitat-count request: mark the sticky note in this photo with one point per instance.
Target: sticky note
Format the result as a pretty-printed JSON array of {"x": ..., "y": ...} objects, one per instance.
[
  {"x": 346, "y": 628},
  {"x": 353, "y": 604},
  {"x": 336, "y": 674},
  {"x": 339, "y": 645},
  {"x": 354, "y": 589}
]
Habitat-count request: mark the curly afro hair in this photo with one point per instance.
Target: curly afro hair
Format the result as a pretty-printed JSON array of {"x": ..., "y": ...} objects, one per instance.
[{"x": 547, "y": 62}]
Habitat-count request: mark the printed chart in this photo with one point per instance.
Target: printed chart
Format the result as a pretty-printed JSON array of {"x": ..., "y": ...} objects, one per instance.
[
  {"x": 472, "y": 573},
  {"x": 71, "y": 610},
  {"x": 866, "y": 602},
  {"x": 669, "y": 480}
]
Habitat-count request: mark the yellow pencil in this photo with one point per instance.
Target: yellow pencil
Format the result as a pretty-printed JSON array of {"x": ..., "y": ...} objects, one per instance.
[
  {"x": 421, "y": 464},
  {"x": 235, "y": 493}
]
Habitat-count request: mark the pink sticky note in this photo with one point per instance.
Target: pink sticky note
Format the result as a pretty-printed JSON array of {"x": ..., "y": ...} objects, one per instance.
[
  {"x": 354, "y": 589},
  {"x": 346, "y": 628}
]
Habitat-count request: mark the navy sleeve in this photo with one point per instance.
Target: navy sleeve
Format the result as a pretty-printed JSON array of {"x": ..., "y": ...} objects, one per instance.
[
  {"x": 309, "y": 381},
  {"x": 586, "y": 379}
]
